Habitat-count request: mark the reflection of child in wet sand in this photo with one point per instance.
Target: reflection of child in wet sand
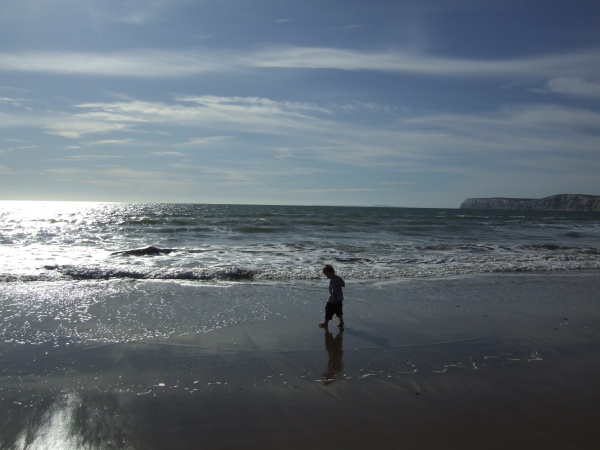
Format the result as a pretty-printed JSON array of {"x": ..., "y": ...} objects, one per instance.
[
  {"x": 335, "y": 352},
  {"x": 336, "y": 297}
]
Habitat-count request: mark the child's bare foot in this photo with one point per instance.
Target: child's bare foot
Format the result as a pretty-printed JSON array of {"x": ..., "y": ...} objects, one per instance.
[{"x": 323, "y": 324}]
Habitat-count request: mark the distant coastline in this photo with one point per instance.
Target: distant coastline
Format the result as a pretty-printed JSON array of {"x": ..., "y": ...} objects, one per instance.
[{"x": 560, "y": 202}]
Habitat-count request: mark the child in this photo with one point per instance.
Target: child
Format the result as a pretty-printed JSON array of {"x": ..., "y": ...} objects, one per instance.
[{"x": 336, "y": 297}]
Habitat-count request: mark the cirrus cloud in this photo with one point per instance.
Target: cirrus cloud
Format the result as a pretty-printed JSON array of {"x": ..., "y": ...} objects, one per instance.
[
  {"x": 575, "y": 87},
  {"x": 185, "y": 63}
]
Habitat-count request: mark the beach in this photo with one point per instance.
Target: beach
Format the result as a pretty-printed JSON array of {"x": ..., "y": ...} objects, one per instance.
[{"x": 475, "y": 361}]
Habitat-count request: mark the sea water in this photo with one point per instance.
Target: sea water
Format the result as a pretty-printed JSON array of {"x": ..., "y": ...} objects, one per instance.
[
  {"x": 68, "y": 271},
  {"x": 75, "y": 241}
]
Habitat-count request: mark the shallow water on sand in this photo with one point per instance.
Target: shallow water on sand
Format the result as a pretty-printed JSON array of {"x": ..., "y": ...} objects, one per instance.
[{"x": 151, "y": 364}]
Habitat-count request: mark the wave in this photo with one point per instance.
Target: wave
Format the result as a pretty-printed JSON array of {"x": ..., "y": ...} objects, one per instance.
[
  {"x": 106, "y": 273},
  {"x": 352, "y": 268}
]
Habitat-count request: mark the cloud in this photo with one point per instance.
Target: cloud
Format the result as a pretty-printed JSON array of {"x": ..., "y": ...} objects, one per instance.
[
  {"x": 210, "y": 141},
  {"x": 160, "y": 154},
  {"x": 349, "y": 27},
  {"x": 122, "y": 177},
  {"x": 175, "y": 64},
  {"x": 136, "y": 17},
  {"x": 257, "y": 104},
  {"x": 516, "y": 135},
  {"x": 396, "y": 183},
  {"x": 575, "y": 87},
  {"x": 334, "y": 190},
  {"x": 138, "y": 12},
  {"x": 312, "y": 135},
  {"x": 252, "y": 140},
  {"x": 75, "y": 129},
  {"x": 13, "y": 89},
  {"x": 245, "y": 175},
  {"x": 112, "y": 142},
  {"x": 137, "y": 64},
  {"x": 534, "y": 139},
  {"x": 89, "y": 157},
  {"x": 243, "y": 114},
  {"x": 236, "y": 177},
  {"x": 5, "y": 170},
  {"x": 405, "y": 62},
  {"x": 23, "y": 119},
  {"x": 18, "y": 102}
]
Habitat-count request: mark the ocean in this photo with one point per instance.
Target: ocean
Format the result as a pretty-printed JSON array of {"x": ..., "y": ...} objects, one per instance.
[
  {"x": 77, "y": 241},
  {"x": 143, "y": 325}
]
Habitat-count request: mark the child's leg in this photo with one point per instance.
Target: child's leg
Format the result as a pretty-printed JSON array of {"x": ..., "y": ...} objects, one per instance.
[
  {"x": 328, "y": 315},
  {"x": 340, "y": 314}
]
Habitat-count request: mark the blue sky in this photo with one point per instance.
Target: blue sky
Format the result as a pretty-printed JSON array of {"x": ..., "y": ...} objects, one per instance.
[{"x": 338, "y": 102}]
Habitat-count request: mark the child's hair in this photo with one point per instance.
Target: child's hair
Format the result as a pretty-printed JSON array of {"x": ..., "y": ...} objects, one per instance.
[{"x": 328, "y": 268}]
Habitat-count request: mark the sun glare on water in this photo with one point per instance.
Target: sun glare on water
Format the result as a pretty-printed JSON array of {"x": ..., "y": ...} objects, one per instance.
[
  {"x": 43, "y": 210},
  {"x": 35, "y": 234}
]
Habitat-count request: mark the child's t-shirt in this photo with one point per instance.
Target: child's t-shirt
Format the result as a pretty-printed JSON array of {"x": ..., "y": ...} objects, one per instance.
[{"x": 336, "y": 283}]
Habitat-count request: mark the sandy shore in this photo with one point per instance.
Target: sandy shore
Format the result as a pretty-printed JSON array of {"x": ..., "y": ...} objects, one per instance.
[{"x": 496, "y": 361}]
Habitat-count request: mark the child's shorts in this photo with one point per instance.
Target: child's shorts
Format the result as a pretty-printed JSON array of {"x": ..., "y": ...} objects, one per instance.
[{"x": 330, "y": 310}]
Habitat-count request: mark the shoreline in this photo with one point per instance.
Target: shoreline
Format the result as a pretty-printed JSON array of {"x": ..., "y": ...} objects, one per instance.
[{"x": 487, "y": 361}]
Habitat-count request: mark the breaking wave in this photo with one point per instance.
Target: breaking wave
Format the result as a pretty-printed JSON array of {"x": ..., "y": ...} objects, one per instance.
[{"x": 365, "y": 268}]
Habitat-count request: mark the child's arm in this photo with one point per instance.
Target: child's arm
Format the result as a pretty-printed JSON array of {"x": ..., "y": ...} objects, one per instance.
[{"x": 333, "y": 299}]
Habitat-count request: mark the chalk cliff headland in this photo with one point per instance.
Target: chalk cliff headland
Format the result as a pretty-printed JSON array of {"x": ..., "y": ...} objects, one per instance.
[{"x": 560, "y": 202}]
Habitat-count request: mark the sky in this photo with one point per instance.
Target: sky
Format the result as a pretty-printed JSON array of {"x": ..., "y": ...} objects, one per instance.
[{"x": 409, "y": 103}]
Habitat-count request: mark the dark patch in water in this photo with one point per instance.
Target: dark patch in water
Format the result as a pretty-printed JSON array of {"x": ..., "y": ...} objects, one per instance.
[
  {"x": 147, "y": 251},
  {"x": 573, "y": 234}
]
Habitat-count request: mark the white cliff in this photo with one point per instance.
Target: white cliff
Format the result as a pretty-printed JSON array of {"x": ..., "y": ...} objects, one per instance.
[{"x": 560, "y": 202}]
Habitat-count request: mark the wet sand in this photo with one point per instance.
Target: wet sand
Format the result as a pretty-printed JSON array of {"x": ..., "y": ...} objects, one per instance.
[{"x": 495, "y": 362}]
